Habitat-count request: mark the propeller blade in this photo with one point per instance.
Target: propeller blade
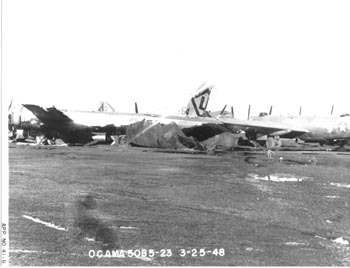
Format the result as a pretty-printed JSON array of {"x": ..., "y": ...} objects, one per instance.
[
  {"x": 300, "y": 110},
  {"x": 223, "y": 110},
  {"x": 332, "y": 109},
  {"x": 232, "y": 112},
  {"x": 10, "y": 104},
  {"x": 270, "y": 110},
  {"x": 136, "y": 108},
  {"x": 249, "y": 111}
]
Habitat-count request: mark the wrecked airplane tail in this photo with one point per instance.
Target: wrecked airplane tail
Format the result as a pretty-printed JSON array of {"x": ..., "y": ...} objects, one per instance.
[{"x": 198, "y": 103}]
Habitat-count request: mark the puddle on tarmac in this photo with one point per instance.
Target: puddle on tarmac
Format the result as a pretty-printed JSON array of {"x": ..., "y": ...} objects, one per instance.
[
  {"x": 332, "y": 196},
  {"x": 296, "y": 244},
  {"x": 343, "y": 185},
  {"x": 341, "y": 240},
  {"x": 259, "y": 162},
  {"x": 278, "y": 177}
]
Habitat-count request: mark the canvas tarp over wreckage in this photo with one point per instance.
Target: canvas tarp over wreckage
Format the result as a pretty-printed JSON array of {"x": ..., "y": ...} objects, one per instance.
[
  {"x": 170, "y": 136},
  {"x": 225, "y": 140}
]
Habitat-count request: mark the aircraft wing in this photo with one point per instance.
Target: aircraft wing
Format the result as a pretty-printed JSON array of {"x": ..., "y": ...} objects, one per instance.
[
  {"x": 263, "y": 127},
  {"x": 206, "y": 127},
  {"x": 201, "y": 127}
]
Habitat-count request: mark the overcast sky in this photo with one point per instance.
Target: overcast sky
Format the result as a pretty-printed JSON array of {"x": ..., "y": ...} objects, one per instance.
[{"x": 73, "y": 54}]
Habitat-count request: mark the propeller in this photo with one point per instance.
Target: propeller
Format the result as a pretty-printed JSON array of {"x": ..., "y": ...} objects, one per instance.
[
  {"x": 270, "y": 110},
  {"x": 232, "y": 112},
  {"x": 249, "y": 111},
  {"x": 136, "y": 108},
  {"x": 300, "y": 110},
  {"x": 332, "y": 109},
  {"x": 223, "y": 110},
  {"x": 10, "y": 105}
]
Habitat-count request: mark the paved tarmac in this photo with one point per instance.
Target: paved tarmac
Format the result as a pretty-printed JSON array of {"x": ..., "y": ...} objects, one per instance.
[{"x": 237, "y": 208}]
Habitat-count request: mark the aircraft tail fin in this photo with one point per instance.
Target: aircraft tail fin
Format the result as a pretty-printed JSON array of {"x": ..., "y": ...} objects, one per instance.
[
  {"x": 105, "y": 107},
  {"x": 198, "y": 103}
]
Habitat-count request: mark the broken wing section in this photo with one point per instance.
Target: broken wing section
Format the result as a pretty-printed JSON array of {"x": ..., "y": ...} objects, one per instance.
[
  {"x": 49, "y": 115},
  {"x": 55, "y": 124}
]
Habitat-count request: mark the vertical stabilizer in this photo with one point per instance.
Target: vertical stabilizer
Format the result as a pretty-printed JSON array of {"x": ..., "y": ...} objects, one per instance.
[
  {"x": 105, "y": 107},
  {"x": 197, "y": 105}
]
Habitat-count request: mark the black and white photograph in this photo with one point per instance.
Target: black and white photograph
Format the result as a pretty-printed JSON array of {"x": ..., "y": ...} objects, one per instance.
[{"x": 175, "y": 133}]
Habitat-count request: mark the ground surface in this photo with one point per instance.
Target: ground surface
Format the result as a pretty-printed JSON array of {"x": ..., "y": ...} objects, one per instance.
[{"x": 260, "y": 211}]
